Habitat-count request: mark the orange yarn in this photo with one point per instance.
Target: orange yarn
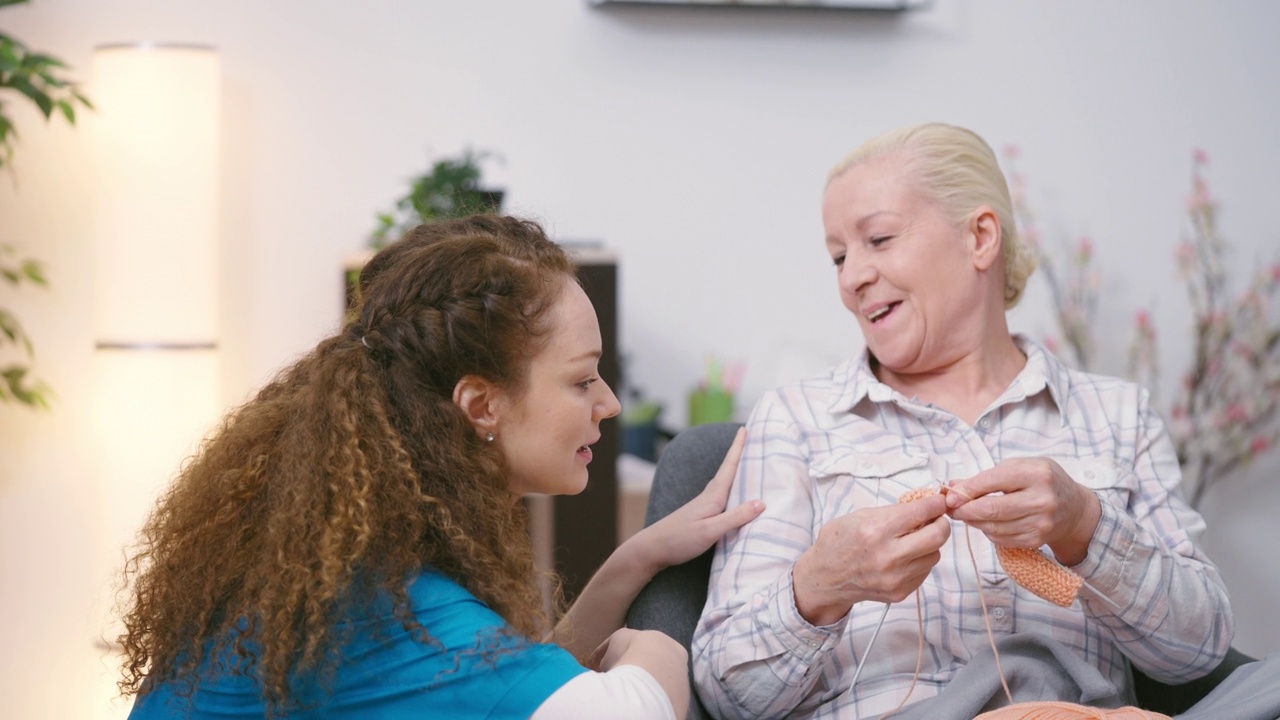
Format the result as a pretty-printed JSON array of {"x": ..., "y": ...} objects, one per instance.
[
  {"x": 1028, "y": 567},
  {"x": 1037, "y": 573},
  {"x": 921, "y": 492},
  {"x": 1067, "y": 711},
  {"x": 1042, "y": 576}
]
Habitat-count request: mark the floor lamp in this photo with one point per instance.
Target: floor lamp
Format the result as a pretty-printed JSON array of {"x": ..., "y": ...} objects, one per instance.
[{"x": 156, "y": 144}]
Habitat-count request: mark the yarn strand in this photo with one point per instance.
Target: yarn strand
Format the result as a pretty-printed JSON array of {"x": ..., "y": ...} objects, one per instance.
[
  {"x": 986, "y": 619},
  {"x": 1047, "y": 579}
]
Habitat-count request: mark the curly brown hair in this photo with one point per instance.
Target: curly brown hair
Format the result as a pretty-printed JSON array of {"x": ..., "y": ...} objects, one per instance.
[{"x": 352, "y": 470}]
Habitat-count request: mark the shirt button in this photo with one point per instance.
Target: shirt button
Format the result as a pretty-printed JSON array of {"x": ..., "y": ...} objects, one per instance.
[
  {"x": 984, "y": 423},
  {"x": 998, "y": 613}
]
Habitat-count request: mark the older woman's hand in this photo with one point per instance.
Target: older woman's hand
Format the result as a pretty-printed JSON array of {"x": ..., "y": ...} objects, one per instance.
[
  {"x": 1026, "y": 503},
  {"x": 689, "y": 531},
  {"x": 881, "y": 553}
]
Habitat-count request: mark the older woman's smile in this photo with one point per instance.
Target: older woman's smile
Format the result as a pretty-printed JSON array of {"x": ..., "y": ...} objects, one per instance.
[{"x": 876, "y": 313}]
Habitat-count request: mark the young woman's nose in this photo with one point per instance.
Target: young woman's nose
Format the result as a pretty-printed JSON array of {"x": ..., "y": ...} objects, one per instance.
[{"x": 607, "y": 406}]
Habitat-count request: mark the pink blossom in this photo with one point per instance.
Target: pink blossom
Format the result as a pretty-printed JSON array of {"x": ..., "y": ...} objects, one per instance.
[
  {"x": 1237, "y": 413},
  {"x": 1084, "y": 249},
  {"x": 1275, "y": 273},
  {"x": 1186, "y": 253},
  {"x": 1200, "y": 197},
  {"x": 1260, "y": 444},
  {"x": 1200, "y": 156},
  {"x": 1011, "y": 151},
  {"x": 1143, "y": 320}
]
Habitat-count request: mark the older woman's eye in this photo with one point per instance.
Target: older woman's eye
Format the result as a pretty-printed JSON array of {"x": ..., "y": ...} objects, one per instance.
[{"x": 880, "y": 240}]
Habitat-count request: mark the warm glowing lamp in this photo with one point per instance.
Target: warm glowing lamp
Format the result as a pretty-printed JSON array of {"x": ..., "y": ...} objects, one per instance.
[{"x": 155, "y": 298}]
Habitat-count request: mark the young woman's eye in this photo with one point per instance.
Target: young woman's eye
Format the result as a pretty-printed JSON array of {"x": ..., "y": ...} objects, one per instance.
[
  {"x": 585, "y": 385},
  {"x": 838, "y": 261}
]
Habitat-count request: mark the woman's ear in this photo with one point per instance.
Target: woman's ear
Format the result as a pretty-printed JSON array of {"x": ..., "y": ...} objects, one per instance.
[
  {"x": 480, "y": 400},
  {"x": 985, "y": 237}
]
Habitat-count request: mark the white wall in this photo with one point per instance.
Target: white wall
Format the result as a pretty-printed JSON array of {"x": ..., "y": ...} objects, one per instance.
[{"x": 694, "y": 142}]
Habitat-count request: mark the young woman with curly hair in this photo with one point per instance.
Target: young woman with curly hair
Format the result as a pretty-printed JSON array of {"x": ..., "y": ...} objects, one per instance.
[{"x": 350, "y": 542}]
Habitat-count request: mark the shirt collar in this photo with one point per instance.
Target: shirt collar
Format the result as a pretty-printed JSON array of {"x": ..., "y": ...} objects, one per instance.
[{"x": 853, "y": 380}]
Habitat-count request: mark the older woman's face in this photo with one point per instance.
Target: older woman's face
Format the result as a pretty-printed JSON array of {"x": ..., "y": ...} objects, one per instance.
[{"x": 904, "y": 267}]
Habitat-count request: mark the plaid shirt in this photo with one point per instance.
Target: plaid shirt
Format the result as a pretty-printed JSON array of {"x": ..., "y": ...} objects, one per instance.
[{"x": 823, "y": 447}]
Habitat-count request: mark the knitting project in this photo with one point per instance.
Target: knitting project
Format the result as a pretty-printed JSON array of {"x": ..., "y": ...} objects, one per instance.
[
  {"x": 1027, "y": 566},
  {"x": 1049, "y": 580}
]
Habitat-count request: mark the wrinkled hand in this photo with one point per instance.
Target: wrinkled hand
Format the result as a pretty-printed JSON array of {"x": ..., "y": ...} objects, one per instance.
[
  {"x": 881, "y": 553},
  {"x": 689, "y": 531},
  {"x": 1027, "y": 503}
]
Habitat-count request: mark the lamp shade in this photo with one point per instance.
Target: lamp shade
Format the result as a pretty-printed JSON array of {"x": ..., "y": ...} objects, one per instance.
[
  {"x": 157, "y": 137},
  {"x": 156, "y": 145}
]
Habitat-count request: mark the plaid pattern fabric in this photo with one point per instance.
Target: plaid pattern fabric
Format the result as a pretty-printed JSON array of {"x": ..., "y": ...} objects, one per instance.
[{"x": 825, "y": 446}]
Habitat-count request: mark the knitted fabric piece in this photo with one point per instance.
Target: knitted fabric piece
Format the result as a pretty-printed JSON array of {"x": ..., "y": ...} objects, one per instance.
[
  {"x": 1028, "y": 567},
  {"x": 1042, "y": 576}
]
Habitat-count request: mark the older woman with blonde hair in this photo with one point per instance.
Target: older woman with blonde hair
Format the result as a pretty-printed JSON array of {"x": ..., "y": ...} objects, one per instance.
[{"x": 997, "y": 434}]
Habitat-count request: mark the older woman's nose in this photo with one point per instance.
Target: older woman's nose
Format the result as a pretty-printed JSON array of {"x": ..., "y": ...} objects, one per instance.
[{"x": 856, "y": 273}]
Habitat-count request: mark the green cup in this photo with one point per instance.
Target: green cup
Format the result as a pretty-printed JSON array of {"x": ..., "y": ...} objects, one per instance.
[{"x": 710, "y": 406}]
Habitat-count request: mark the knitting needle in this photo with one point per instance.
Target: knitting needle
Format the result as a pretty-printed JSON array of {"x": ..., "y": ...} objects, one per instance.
[
  {"x": 946, "y": 488},
  {"x": 858, "y": 671}
]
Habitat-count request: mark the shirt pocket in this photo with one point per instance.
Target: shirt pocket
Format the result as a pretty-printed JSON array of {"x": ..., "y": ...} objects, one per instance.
[
  {"x": 1104, "y": 476},
  {"x": 847, "y": 481}
]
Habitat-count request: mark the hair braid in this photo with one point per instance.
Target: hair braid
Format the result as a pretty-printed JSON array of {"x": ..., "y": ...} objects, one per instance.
[{"x": 351, "y": 471}]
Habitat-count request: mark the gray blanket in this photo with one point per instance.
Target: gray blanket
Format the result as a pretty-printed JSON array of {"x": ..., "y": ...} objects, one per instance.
[{"x": 1041, "y": 669}]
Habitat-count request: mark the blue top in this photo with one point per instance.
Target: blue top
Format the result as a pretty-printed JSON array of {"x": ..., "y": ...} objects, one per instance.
[{"x": 385, "y": 674}]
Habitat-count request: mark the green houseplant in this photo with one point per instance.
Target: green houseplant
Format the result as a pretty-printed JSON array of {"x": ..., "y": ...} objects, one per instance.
[
  {"x": 38, "y": 78},
  {"x": 451, "y": 188}
]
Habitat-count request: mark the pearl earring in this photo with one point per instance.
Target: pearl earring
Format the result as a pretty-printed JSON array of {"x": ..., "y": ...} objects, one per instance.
[{"x": 488, "y": 437}]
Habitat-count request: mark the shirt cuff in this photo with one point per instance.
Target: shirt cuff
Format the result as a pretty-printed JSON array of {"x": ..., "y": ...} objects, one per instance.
[
  {"x": 796, "y": 635},
  {"x": 1109, "y": 551}
]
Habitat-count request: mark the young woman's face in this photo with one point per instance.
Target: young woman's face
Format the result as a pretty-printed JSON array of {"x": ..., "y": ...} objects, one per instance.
[
  {"x": 546, "y": 432},
  {"x": 904, "y": 267}
]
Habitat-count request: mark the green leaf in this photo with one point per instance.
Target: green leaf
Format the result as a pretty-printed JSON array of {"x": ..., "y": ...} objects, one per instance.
[
  {"x": 50, "y": 80},
  {"x": 16, "y": 389},
  {"x": 12, "y": 330},
  {"x": 68, "y": 111},
  {"x": 34, "y": 271},
  {"x": 35, "y": 94},
  {"x": 12, "y": 2},
  {"x": 40, "y": 60}
]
